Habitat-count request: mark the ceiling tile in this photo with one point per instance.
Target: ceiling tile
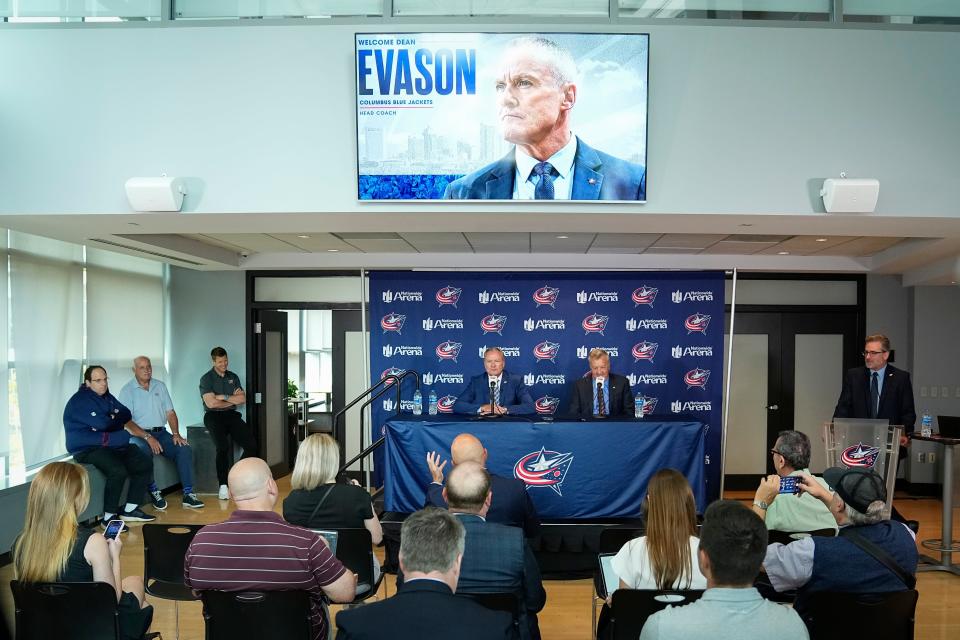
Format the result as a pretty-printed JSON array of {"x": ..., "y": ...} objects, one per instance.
[
  {"x": 315, "y": 241},
  {"x": 687, "y": 240},
  {"x": 494, "y": 242},
  {"x": 256, "y": 242},
  {"x": 430, "y": 242},
  {"x": 553, "y": 243},
  {"x": 623, "y": 242},
  {"x": 733, "y": 247}
]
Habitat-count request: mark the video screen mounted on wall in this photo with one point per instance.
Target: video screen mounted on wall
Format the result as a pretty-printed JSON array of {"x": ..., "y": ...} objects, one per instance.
[{"x": 502, "y": 116}]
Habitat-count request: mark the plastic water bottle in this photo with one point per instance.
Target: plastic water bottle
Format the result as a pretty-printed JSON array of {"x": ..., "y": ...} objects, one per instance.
[
  {"x": 638, "y": 407},
  {"x": 926, "y": 424},
  {"x": 433, "y": 403},
  {"x": 417, "y": 403}
]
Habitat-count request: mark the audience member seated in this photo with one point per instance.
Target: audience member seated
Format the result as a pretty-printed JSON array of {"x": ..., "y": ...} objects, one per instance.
[
  {"x": 840, "y": 564},
  {"x": 230, "y": 556},
  {"x": 732, "y": 543},
  {"x": 94, "y": 422},
  {"x": 496, "y": 557},
  {"x": 664, "y": 557},
  {"x": 510, "y": 505},
  {"x": 53, "y": 547},
  {"x": 797, "y": 512},
  {"x": 431, "y": 550}
]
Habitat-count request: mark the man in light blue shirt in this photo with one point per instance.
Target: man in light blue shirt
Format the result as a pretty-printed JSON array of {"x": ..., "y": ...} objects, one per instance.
[
  {"x": 152, "y": 409},
  {"x": 733, "y": 541}
]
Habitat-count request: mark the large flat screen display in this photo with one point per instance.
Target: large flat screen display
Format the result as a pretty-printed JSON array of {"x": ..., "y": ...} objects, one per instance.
[{"x": 502, "y": 116}]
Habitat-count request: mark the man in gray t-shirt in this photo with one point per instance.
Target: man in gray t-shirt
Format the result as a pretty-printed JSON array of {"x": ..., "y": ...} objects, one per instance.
[{"x": 222, "y": 393}]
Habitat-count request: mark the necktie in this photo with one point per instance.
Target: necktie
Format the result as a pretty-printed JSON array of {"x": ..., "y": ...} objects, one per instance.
[
  {"x": 496, "y": 394},
  {"x": 601, "y": 403},
  {"x": 874, "y": 395},
  {"x": 544, "y": 189}
]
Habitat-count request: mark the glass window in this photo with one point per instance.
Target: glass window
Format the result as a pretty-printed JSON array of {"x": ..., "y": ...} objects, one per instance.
[
  {"x": 818, "y": 10},
  {"x": 902, "y": 11},
  {"x": 551, "y": 8},
  {"x": 201, "y": 9},
  {"x": 79, "y": 10}
]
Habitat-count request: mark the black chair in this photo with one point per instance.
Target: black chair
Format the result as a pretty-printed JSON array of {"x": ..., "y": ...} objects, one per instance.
[
  {"x": 611, "y": 540},
  {"x": 229, "y": 615},
  {"x": 632, "y": 607},
  {"x": 67, "y": 611},
  {"x": 831, "y": 615},
  {"x": 164, "y": 547},
  {"x": 786, "y": 537},
  {"x": 355, "y": 551},
  {"x": 499, "y": 601}
]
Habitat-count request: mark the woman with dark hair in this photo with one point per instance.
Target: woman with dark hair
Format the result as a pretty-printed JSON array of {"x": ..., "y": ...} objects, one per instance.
[
  {"x": 53, "y": 547},
  {"x": 95, "y": 423}
]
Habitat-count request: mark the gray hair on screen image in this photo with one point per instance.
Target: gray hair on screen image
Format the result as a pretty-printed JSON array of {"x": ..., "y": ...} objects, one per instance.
[{"x": 561, "y": 63}]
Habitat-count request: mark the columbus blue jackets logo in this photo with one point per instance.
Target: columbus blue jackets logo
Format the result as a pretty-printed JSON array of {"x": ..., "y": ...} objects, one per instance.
[
  {"x": 644, "y": 295},
  {"x": 392, "y": 322},
  {"x": 546, "y": 295},
  {"x": 697, "y": 322},
  {"x": 448, "y": 350},
  {"x": 543, "y": 469},
  {"x": 546, "y": 350},
  {"x": 696, "y": 378},
  {"x": 493, "y": 324},
  {"x": 594, "y": 323},
  {"x": 649, "y": 404},
  {"x": 449, "y": 295},
  {"x": 546, "y": 405},
  {"x": 644, "y": 351},
  {"x": 392, "y": 371},
  {"x": 860, "y": 456},
  {"x": 445, "y": 404}
]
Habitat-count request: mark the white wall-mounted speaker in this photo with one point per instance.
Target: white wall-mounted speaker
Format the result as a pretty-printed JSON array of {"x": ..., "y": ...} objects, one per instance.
[
  {"x": 850, "y": 195},
  {"x": 155, "y": 194}
]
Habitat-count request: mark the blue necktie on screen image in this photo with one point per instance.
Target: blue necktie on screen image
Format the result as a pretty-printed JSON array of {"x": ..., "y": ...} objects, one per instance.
[
  {"x": 874, "y": 395},
  {"x": 544, "y": 189}
]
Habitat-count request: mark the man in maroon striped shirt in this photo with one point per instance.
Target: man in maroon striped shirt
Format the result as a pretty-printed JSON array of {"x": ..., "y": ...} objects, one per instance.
[{"x": 257, "y": 550}]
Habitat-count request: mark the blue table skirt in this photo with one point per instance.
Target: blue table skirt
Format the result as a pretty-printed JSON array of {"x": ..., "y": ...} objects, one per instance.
[{"x": 597, "y": 469}]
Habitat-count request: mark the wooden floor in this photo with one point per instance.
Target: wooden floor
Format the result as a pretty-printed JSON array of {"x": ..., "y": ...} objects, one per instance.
[{"x": 567, "y": 614}]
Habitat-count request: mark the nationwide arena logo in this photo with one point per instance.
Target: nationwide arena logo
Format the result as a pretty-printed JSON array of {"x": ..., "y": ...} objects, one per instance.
[
  {"x": 531, "y": 379},
  {"x": 543, "y": 469},
  {"x": 486, "y": 297},
  {"x": 390, "y": 405},
  {"x": 679, "y": 296},
  {"x": 597, "y": 296},
  {"x": 649, "y": 404},
  {"x": 445, "y": 404},
  {"x": 392, "y": 371},
  {"x": 508, "y": 352},
  {"x": 696, "y": 378},
  {"x": 546, "y": 350},
  {"x": 680, "y": 352},
  {"x": 682, "y": 407},
  {"x": 493, "y": 323},
  {"x": 448, "y": 350},
  {"x": 546, "y": 405},
  {"x": 697, "y": 322},
  {"x": 632, "y": 324},
  {"x": 594, "y": 323},
  {"x": 644, "y": 351},
  {"x": 402, "y": 350},
  {"x": 860, "y": 456},
  {"x": 583, "y": 352},
  {"x": 448, "y": 295},
  {"x": 402, "y": 296},
  {"x": 646, "y": 378},
  {"x": 555, "y": 325},
  {"x": 392, "y": 322},
  {"x": 429, "y": 324},
  {"x": 546, "y": 295},
  {"x": 644, "y": 295},
  {"x": 442, "y": 378}
]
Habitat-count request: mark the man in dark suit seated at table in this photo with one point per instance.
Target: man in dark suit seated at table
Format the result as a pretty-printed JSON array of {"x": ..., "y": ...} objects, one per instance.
[
  {"x": 603, "y": 393},
  {"x": 508, "y": 393},
  {"x": 431, "y": 551},
  {"x": 510, "y": 504}
]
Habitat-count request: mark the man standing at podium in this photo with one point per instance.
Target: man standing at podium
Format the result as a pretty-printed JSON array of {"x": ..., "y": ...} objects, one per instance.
[{"x": 603, "y": 393}]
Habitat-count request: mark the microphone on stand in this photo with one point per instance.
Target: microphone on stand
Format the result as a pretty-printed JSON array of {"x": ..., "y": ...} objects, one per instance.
[{"x": 493, "y": 392}]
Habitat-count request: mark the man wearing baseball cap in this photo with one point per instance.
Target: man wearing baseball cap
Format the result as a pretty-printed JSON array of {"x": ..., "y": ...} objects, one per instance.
[{"x": 871, "y": 553}]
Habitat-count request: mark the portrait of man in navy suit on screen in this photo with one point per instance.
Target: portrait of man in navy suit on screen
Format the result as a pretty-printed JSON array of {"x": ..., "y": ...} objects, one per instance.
[{"x": 536, "y": 88}]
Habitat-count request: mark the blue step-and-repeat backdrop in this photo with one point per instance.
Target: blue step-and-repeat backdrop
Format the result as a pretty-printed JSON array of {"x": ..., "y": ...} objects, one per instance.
[{"x": 663, "y": 330}]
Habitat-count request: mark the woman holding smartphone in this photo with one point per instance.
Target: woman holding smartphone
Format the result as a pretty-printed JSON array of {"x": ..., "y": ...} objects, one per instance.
[{"x": 53, "y": 547}]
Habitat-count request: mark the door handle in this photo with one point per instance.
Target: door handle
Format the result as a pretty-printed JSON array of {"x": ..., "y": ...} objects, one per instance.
[{"x": 773, "y": 407}]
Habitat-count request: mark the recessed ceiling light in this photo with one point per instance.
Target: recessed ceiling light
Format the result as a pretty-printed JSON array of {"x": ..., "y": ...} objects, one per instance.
[
  {"x": 783, "y": 253},
  {"x": 134, "y": 224},
  {"x": 333, "y": 250},
  {"x": 303, "y": 236},
  {"x": 821, "y": 239},
  {"x": 562, "y": 237},
  {"x": 746, "y": 224}
]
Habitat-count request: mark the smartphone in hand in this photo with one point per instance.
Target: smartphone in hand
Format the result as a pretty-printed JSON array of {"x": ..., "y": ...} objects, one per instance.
[
  {"x": 790, "y": 484},
  {"x": 114, "y": 528}
]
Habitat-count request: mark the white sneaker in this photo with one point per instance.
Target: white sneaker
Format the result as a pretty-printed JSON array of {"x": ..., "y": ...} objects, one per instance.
[{"x": 224, "y": 492}]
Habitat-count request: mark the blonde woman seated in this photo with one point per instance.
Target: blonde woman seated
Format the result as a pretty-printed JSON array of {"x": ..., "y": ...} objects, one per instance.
[
  {"x": 53, "y": 547},
  {"x": 318, "y": 502},
  {"x": 666, "y": 557}
]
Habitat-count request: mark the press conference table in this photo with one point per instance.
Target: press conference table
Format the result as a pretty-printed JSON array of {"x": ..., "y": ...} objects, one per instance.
[{"x": 575, "y": 469}]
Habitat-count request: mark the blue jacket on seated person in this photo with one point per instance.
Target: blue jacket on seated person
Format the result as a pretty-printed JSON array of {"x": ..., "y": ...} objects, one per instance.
[
  {"x": 92, "y": 421},
  {"x": 514, "y": 395}
]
